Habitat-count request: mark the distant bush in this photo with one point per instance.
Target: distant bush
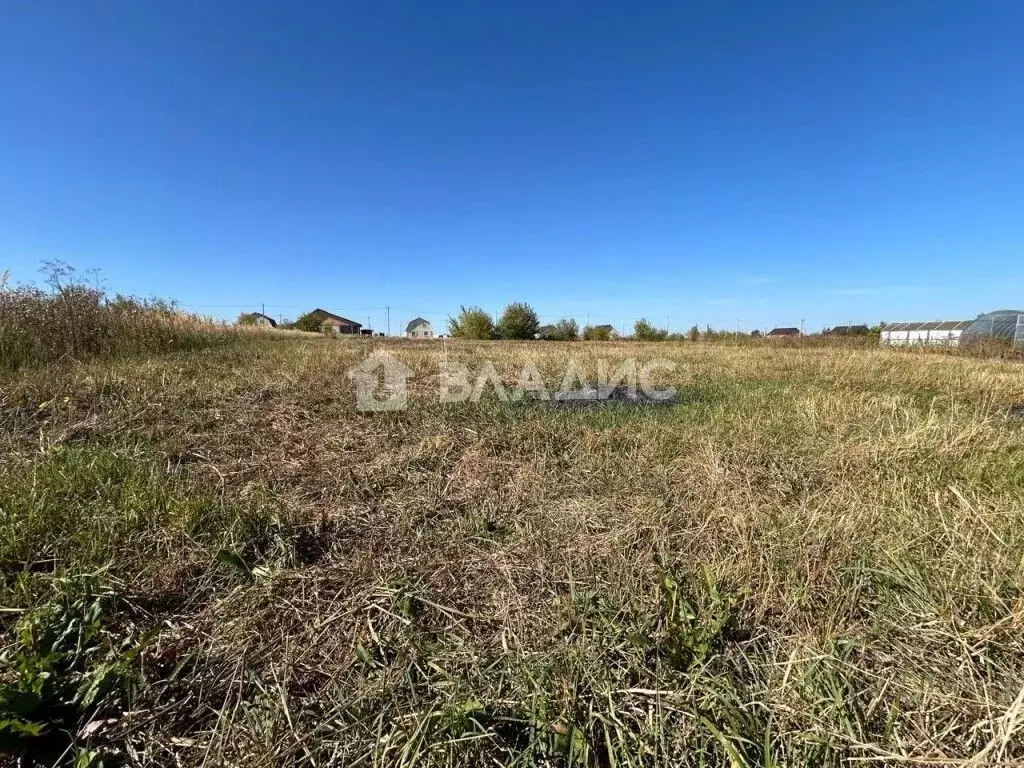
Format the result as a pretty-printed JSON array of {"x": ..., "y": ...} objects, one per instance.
[
  {"x": 565, "y": 329},
  {"x": 644, "y": 331},
  {"x": 518, "y": 321},
  {"x": 76, "y": 320},
  {"x": 246, "y": 318},
  {"x": 309, "y": 322},
  {"x": 471, "y": 323},
  {"x": 597, "y": 333}
]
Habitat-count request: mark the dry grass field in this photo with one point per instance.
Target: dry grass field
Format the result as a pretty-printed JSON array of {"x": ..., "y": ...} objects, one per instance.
[{"x": 816, "y": 556}]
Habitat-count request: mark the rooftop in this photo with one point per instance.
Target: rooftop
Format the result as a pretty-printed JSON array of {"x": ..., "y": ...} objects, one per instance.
[{"x": 936, "y": 325}]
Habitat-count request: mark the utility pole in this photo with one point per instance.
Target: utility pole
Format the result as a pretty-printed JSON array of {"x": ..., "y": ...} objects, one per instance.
[
  {"x": 801, "y": 326},
  {"x": 389, "y": 319},
  {"x": 668, "y": 323}
]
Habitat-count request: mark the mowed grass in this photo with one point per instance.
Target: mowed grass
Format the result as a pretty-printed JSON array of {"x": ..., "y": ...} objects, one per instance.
[{"x": 212, "y": 558}]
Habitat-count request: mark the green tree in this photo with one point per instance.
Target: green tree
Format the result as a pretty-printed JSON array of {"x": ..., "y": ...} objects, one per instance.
[
  {"x": 694, "y": 333},
  {"x": 596, "y": 333},
  {"x": 246, "y": 318},
  {"x": 565, "y": 329},
  {"x": 471, "y": 323},
  {"x": 518, "y": 321},
  {"x": 644, "y": 331},
  {"x": 309, "y": 322}
]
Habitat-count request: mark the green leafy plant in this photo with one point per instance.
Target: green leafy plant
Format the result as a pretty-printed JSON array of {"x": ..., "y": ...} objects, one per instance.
[
  {"x": 471, "y": 323},
  {"x": 645, "y": 331},
  {"x": 518, "y": 321},
  {"x": 565, "y": 329},
  {"x": 60, "y": 668},
  {"x": 696, "y": 616},
  {"x": 310, "y": 321},
  {"x": 597, "y": 333}
]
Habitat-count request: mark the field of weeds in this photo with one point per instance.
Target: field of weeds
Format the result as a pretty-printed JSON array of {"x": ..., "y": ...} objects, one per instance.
[{"x": 813, "y": 556}]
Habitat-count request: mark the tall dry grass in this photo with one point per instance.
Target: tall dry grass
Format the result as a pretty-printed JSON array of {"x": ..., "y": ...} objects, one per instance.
[{"x": 74, "y": 320}]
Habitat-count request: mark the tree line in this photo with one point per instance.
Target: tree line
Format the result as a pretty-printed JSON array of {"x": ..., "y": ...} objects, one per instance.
[{"x": 520, "y": 321}]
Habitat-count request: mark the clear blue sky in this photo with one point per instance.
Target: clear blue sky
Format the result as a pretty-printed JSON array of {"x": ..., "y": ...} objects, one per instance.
[{"x": 706, "y": 161}]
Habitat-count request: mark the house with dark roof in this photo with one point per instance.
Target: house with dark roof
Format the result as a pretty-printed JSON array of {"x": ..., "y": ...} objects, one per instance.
[
  {"x": 419, "y": 329},
  {"x": 337, "y": 323},
  {"x": 784, "y": 333},
  {"x": 848, "y": 330}
]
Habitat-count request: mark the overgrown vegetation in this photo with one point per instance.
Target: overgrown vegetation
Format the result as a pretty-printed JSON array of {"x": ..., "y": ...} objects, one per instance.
[
  {"x": 471, "y": 323},
  {"x": 311, "y": 322},
  {"x": 518, "y": 321},
  {"x": 597, "y": 333},
  {"x": 645, "y": 331},
  {"x": 211, "y": 558},
  {"x": 565, "y": 329},
  {"x": 72, "y": 319}
]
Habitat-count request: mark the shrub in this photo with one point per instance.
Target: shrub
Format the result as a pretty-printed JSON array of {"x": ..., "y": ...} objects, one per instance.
[
  {"x": 565, "y": 329},
  {"x": 596, "y": 333},
  {"x": 309, "y": 322},
  {"x": 471, "y": 323},
  {"x": 518, "y": 321},
  {"x": 644, "y": 331}
]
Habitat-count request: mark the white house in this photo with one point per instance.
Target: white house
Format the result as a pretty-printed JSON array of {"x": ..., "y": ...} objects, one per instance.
[
  {"x": 944, "y": 333},
  {"x": 419, "y": 329}
]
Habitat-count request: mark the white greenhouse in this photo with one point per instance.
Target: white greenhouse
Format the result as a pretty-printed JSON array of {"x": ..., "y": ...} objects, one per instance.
[{"x": 941, "y": 333}]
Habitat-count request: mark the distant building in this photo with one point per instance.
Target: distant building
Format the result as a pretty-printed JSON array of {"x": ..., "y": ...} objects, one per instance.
[
  {"x": 545, "y": 332},
  {"x": 943, "y": 332},
  {"x": 1003, "y": 324},
  {"x": 848, "y": 330},
  {"x": 264, "y": 321},
  {"x": 784, "y": 333},
  {"x": 337, "y": 323},
  {"x": 419, "y": 329}
]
